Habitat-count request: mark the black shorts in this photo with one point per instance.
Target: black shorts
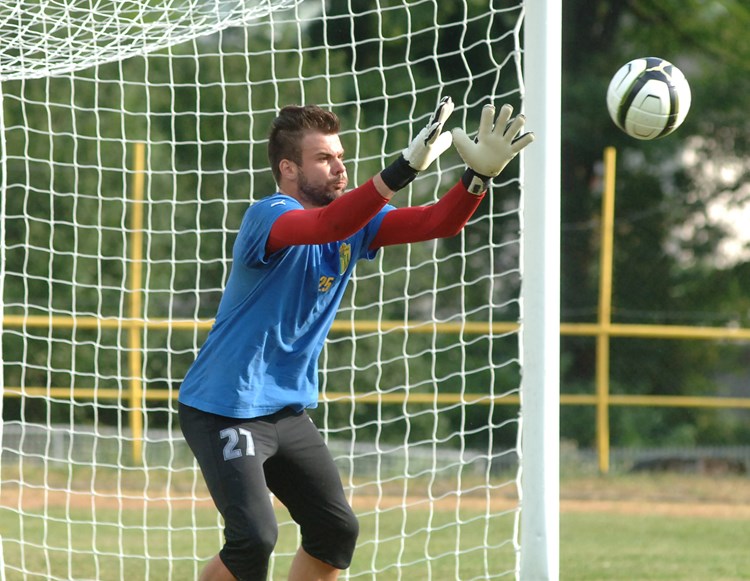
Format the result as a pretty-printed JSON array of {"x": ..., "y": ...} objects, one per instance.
[{"x": 242, "y": 459}]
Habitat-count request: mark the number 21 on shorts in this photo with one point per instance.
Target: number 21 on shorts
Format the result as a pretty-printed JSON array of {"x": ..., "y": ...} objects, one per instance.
[{"x": 236, "y": 437}]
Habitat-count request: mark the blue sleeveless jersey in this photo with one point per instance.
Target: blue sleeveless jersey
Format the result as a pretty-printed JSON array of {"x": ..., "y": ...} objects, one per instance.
[{"x": 261, "y": 354}]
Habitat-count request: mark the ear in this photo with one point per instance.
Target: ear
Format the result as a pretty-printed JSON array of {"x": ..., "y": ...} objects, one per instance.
[{"x": 288, "y": 170}]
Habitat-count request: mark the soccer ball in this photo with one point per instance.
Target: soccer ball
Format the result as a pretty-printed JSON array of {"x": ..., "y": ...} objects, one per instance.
[{"x": 648, "y": 98}]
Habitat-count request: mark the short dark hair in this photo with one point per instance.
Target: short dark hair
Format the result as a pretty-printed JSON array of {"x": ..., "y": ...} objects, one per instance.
[{"x": 290, "y": 126}]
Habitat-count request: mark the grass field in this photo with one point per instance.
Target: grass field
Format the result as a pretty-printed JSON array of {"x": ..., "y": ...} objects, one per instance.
[{"x": 667, "y": 527}]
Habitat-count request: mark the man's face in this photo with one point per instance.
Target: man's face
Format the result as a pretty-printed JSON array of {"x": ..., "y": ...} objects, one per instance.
[{"x": 322, "y": 175}]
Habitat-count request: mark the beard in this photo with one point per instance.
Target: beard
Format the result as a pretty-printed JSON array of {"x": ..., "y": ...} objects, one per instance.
[{"x": 319, "y": 195}]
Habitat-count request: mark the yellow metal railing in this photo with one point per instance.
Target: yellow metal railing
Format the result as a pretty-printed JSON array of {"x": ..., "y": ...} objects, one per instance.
[
  {"x": 605, "y": 310},
  {"x": 135, "y": 284},
  {"x": 603, "y": 330}
]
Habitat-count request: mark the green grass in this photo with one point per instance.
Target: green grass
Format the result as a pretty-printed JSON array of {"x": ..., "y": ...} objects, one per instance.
[
  {"x": 616, "y": 547},
  {"x": 455, "y": 550},
  {"x": 596, "y": 545},
  {"x": 119, "y": 540}
]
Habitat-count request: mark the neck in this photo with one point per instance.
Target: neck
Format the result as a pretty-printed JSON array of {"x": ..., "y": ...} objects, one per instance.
[{"x": 293, "y": 192}]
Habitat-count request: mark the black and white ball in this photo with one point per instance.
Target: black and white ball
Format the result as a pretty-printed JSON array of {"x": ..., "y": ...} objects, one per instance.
[{"x": 648, "y": 98}]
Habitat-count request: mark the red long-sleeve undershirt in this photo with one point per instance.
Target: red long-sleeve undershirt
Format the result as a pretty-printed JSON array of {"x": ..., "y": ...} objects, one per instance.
[
  {"x": 444, "y": 219},
  {"x": 352, "y": 211}
]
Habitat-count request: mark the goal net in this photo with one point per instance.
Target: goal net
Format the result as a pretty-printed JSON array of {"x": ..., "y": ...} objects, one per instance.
[{"x": 133, "y": 138}]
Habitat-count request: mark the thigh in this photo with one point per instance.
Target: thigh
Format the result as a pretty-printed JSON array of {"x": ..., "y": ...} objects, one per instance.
[
  {"x": 230, "y": 453},
  {"x": 304, "y": 477}
]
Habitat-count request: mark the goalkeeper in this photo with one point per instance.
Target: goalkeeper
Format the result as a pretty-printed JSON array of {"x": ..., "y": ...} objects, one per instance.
[{"x": 242, "y": 403}]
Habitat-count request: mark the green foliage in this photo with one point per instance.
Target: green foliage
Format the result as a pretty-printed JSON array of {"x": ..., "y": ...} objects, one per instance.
[{"x": 660, "y": 275}]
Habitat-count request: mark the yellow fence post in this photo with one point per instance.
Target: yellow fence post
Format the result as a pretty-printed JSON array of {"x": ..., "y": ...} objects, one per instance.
[
  {"x": 605, "y": 310},
  {"x": 135, "y": 326}
]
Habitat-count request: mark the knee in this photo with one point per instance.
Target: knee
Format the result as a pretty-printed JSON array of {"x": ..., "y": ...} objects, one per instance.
[
  {"x": 350, "y": 528},
  {"x": 247, "y": 555},
  {"x": 346, "y": 529},
  {"x": 334, "y": 541}
]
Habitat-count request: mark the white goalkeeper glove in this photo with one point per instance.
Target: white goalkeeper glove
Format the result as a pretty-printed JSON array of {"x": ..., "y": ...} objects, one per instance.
[
  {"x": 497, "y": 142},
  {"x": 422, "y": 151}
]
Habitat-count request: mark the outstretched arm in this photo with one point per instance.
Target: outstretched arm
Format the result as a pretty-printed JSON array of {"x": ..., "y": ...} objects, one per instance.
[
  {"x": 444, "y": 219},
  {"x": 336, "y": 221},
  {"x": 352, "y": 211},
  {"x": 497, "y": 142}
]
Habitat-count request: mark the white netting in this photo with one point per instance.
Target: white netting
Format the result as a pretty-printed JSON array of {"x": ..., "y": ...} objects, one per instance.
[
  {"x": 111, "y": 271},
  {"x": 50, "y": 37}
]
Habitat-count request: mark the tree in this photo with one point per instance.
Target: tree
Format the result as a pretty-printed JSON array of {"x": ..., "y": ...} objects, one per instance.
[{"x": 656, "y": 271}]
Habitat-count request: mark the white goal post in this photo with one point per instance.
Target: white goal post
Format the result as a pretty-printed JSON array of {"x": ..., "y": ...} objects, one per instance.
[
  {"x": 132, "y": 139},
  {"x": 540, "y": 328}
]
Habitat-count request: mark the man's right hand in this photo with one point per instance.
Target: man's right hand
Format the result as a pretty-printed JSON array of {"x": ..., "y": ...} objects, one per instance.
[
  {"x": 431, "y": 141},
  {"x": 425, "y": 148}
]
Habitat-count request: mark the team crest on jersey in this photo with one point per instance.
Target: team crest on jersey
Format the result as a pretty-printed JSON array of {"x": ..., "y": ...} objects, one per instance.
[{"x": 345, "y": 257}]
